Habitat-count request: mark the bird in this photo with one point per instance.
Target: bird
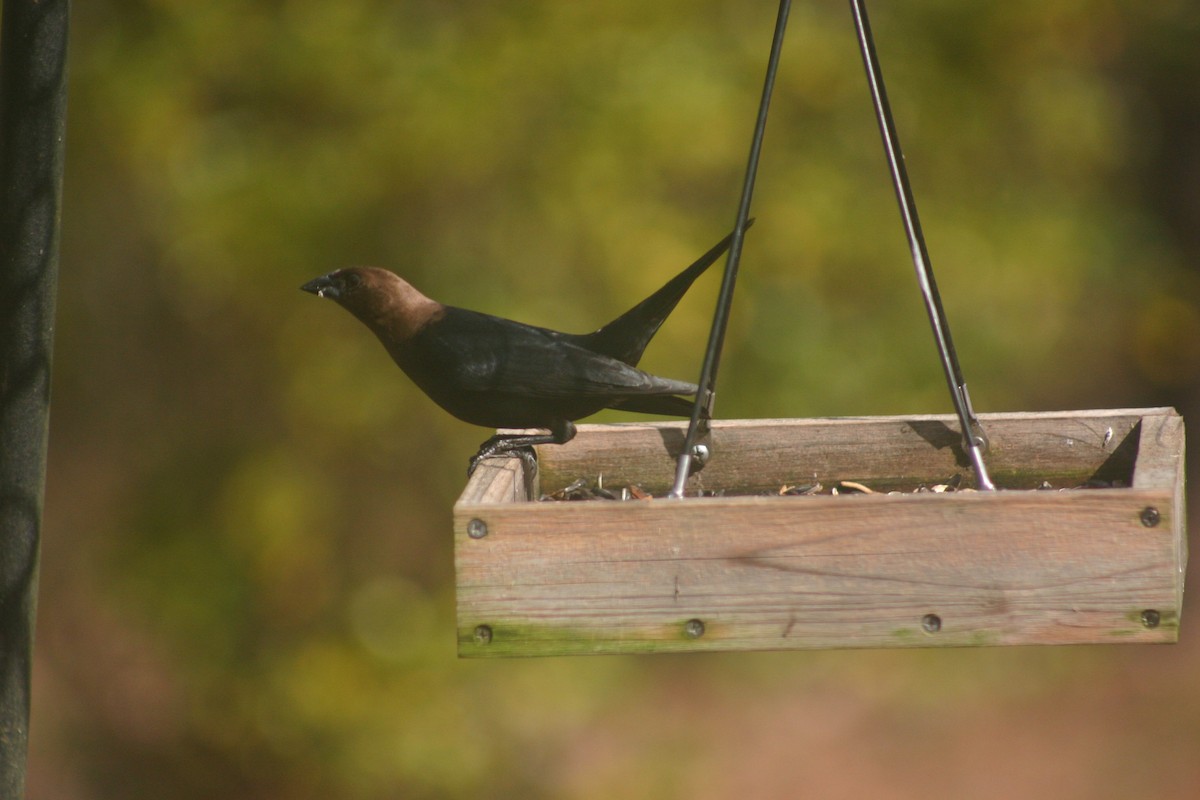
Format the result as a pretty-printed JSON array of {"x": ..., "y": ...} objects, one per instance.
[{"x": 500, "y": 373}]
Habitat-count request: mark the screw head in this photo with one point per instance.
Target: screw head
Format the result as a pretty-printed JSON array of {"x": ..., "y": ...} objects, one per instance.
[
  {"x": 483, "y": 634},
  {"x": 1150, "y": 516},
  {"x": 1151, "y": 618},
  {"x": 931, "y": 623},
  {"x": 477, "y": 529},
  {"x": 693, "y": 628}
]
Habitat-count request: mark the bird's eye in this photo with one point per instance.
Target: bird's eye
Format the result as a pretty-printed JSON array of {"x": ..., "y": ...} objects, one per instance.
[{"x": 352, "y": 281}]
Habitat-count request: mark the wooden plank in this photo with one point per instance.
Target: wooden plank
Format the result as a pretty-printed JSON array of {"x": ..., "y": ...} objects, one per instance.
[
  {"x": 1160, "y": 451},
  {"x": 1160, "y": 463},
  {"x": 1063, "y": 448},
  {"x": 497, "y": 480},
  {"x": 770, "y": 572},
  {"x": 857, "y": 571}
]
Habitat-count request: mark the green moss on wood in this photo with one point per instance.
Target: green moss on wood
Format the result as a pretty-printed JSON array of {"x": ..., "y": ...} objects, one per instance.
[{"x": 536, "y": 640}]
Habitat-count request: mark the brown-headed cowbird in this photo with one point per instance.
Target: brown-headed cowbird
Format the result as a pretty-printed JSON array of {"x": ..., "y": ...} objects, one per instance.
[{"x": 503, "y": 374}]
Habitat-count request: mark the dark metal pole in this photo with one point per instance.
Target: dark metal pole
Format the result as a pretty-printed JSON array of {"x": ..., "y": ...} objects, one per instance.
[
  {"x": 33, "y": 53},
  {"x": 974, "y": 439},
  {"x": 702, "y": 409}
]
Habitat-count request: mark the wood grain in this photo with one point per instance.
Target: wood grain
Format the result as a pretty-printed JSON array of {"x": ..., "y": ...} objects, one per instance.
[
  {"x": 1064, "y": 448},
  {"x": 497, "y": 480},
  {"x": 770, "y": 572}
]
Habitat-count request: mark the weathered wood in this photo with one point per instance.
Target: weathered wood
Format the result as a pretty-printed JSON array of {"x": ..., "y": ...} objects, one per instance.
[
  {"x": 1160, "y": 465},
  {"x": 770, "y": 572},
  {"x": 498, "y": 480},
  {"x": 754, "y": 455},
  {"x": 1160, "y": 458}
]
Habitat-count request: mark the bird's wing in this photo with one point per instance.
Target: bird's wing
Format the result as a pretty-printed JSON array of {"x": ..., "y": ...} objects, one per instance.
[
  {"x": 566, "y": 370},
  {"x": 496, "y": 355}
]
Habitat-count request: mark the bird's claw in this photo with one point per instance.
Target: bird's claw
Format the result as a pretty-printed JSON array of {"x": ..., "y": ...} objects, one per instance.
[
  {"x": 528, "y": 457},
  {"x": 526, "y": 454}
]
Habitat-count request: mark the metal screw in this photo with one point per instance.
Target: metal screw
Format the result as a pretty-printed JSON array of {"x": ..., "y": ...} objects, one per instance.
[
  {"x": 483, "y": 634},
  {"x": 1150, "y": 516},
  {"x": 1150, "y": 618},
  {"x": 477, "y": 529},
  {"x": 693, "y": 629},
  {"x": 931, "y": 623}
]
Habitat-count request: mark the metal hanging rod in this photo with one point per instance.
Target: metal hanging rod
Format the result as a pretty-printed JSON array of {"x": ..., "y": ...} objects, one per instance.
[
  {"x": 702, "y": 409},
  {"x": 974, "y": 438}
]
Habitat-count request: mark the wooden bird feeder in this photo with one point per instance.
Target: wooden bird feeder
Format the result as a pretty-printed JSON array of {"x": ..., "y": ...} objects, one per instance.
[
  {"x": 1098, "y": 557},
  {"x": 1083, "y": 542}
]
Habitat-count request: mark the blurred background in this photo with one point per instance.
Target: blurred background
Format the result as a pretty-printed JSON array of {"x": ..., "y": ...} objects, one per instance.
[{"x": 247, "y": 578}]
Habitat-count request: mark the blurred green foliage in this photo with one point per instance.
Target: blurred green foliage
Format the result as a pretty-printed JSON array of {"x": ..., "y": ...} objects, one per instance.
[{"x": 247, "y": 583}]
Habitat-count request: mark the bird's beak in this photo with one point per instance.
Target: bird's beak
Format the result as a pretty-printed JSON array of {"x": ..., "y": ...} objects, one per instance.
[{"x": 322, "y": 287}]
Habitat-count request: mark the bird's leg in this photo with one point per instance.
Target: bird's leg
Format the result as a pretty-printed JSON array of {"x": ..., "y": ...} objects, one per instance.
[{"x": 561, "y": 432}]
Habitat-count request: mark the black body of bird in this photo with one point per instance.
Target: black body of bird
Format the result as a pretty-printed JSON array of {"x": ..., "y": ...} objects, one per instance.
[{"x": 504, "y": 374}]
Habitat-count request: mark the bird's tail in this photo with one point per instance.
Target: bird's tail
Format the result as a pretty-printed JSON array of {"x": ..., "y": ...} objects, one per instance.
[{"x": 626, "y": 337}]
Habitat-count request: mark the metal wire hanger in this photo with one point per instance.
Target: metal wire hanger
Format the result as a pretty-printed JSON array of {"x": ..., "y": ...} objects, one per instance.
[
  {"x": 694, "y": 453},
  {"x": 974, "y": 439},
  {"x": 698, "y": 426}
]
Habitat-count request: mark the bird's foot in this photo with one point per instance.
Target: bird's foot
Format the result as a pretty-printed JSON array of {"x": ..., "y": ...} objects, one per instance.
[
  {"x": 492, "y": 449},
  {"x": 528, "y": 457},
  {"x": 561, "y": 432}
]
